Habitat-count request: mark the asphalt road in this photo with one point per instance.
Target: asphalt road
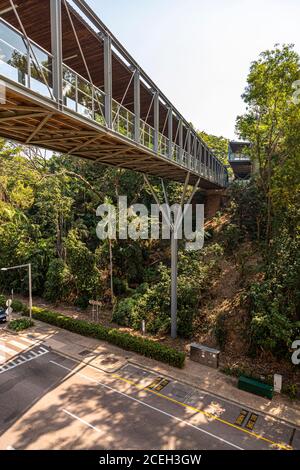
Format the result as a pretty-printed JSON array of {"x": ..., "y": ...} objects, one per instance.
[{"x": 49, "y": 401}]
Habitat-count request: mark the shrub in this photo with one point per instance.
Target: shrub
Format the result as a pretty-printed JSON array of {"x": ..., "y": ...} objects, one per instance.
[
  {"x": 17, "y": 306},
  {"x": 59, "y": 281},
  {"x": 20, "y": 324},
  {"x": 120, "y": 286},
  {"x": 123, "y": 311},
  {"x": 143, "y": 346}
]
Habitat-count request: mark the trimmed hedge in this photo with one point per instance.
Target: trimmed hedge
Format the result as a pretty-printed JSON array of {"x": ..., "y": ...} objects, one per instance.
[{"x": 143, "y": 346}]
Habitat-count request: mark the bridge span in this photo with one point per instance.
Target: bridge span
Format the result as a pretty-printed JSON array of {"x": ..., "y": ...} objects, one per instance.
[{"x": 71, "y": 87}]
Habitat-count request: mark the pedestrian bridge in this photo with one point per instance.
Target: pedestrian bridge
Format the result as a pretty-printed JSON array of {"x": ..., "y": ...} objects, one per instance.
[{"x": 71, "y": 87}]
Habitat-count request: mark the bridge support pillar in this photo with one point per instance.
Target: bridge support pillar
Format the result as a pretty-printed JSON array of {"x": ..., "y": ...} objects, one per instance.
[
  {"x": 174, "y": 223},
  {"x": 215, "y": 200}
]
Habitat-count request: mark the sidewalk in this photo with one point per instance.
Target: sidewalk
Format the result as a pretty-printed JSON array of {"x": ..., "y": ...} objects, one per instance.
[{"x": 109, "y": 358}]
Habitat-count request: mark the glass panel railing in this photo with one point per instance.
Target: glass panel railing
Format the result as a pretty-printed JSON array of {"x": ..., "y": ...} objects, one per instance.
[
  {"x": 147, "y": 135},
  {"x": 176, "y": 153},
  {"x": 122, "y": 120},
  {"x": 13, "y": 55},
  {"x": 236, "y": 157},
  {"x": 23, "y": 61},
  {"x": 82, "y": 97},
  {"x": 163, "y": 145}
]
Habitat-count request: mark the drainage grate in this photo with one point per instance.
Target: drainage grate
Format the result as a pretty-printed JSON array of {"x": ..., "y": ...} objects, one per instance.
[
  {"x": 241, "y": 418},
  {"x": 252, "y": 421},
  {"x": 158, "y": 384},
  {"x": 84, "y": 353}
]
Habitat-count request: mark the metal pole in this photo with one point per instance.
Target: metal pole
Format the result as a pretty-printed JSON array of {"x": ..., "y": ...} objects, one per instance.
[
  {"x": 56, "y": 47},
  {"x": 108, "y": 80},
  {"x": 156, "y": 122},
  {"x": 170, "y": 133},
  {"x": 30, "y": 290},
  {"x": 137, "y": 106},
  {"x": 174, "y": 273}
]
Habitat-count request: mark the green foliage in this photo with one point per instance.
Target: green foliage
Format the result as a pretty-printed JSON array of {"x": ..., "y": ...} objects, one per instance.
[
  {"x": 219, "y": 145},
  {"x": 248, "y": 209},
  {"x": 126, "y": 341},
  {"x": 275, "y": 302},
  {"x": 124, "y": 311},
  {"x": 221, "y": 331},
  {"x": 292, "y": 391},
  {"x": 232, "y": 236},
  {"x": 20, "y": 324},
  {"x": 17, "y": 306},
  {"x": 152, "y": 302},
  {"x": 2, "y": 301},
  {"x": 59, "y": 282}
]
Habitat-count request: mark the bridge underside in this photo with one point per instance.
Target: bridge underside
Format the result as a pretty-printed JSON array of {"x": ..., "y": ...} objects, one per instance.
[
  {"x": 28, "y": 122},
  {"x": 242, "y": 169}
]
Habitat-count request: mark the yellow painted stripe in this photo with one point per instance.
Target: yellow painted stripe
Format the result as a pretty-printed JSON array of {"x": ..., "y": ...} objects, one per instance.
[{"x": 205, "y": 413}]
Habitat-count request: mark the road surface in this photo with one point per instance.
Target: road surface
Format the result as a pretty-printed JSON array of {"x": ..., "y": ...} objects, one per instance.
[{"x": 49, "y": 401}]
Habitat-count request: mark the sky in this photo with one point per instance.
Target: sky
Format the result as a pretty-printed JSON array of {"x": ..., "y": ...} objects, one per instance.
[{"x": 198, "y": 52}]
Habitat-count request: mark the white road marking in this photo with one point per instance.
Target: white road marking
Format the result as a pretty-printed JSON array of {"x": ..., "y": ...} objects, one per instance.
[
  {"x": 82, "y": 421},
  {"x": 12, "y": 364},
  {"x": 10, "y": 448},
  {"x": 148, "y": 406},
  {"x": 18, "y": 345},
  {"x": 7, "y": 350}
]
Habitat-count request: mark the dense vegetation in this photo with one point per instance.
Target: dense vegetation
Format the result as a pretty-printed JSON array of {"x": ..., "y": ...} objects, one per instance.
[
  {"x": 48, "y": 217},
  {"x": 269, "y": 208}
]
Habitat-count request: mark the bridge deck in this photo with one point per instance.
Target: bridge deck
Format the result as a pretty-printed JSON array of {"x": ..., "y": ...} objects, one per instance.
[{"x": 89, "y": 98}]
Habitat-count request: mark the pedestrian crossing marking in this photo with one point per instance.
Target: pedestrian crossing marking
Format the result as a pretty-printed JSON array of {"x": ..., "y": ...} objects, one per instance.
[{"x": 19, "y": 360}]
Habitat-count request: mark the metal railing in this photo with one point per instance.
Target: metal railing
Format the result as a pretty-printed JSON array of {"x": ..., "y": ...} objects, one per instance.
[
  {"x": 82, "y": 97},
  {"x": 122, "y": 120},
  {"x": 25, "y": 62},
  {"x": 238, "y": 157}
]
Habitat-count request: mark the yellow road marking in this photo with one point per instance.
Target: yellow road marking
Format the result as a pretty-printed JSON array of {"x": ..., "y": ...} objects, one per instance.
[{"x": 205, "y": 413}]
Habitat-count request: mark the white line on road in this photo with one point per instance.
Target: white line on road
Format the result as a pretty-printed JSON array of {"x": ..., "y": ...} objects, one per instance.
[
  {"x": 148, "y": 406},
  {"x": 7, "y": 350},
  {"x": 12, "y": 365},
  {"x": 19, "y": 345},
  {"x": 82, "y": 421}
]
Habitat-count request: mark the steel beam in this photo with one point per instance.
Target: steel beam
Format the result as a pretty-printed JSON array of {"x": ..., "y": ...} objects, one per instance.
[
  {"x": 156, "y": 121},
  {"x": 180, "y": 136},
  {"x": 108, "y": 80},
  {"x": 170, "y": 133},
  {"x": 137, "y": 106},
  {"x": 56, "y": 48}
]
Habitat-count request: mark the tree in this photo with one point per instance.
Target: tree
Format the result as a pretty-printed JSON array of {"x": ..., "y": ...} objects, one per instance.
[
  {"x": 218, "y": 145},
  {"x": 271, "y": 117}
]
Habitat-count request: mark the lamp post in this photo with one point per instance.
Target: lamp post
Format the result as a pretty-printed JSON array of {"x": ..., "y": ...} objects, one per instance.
[{"x": 29, "y": 281}]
